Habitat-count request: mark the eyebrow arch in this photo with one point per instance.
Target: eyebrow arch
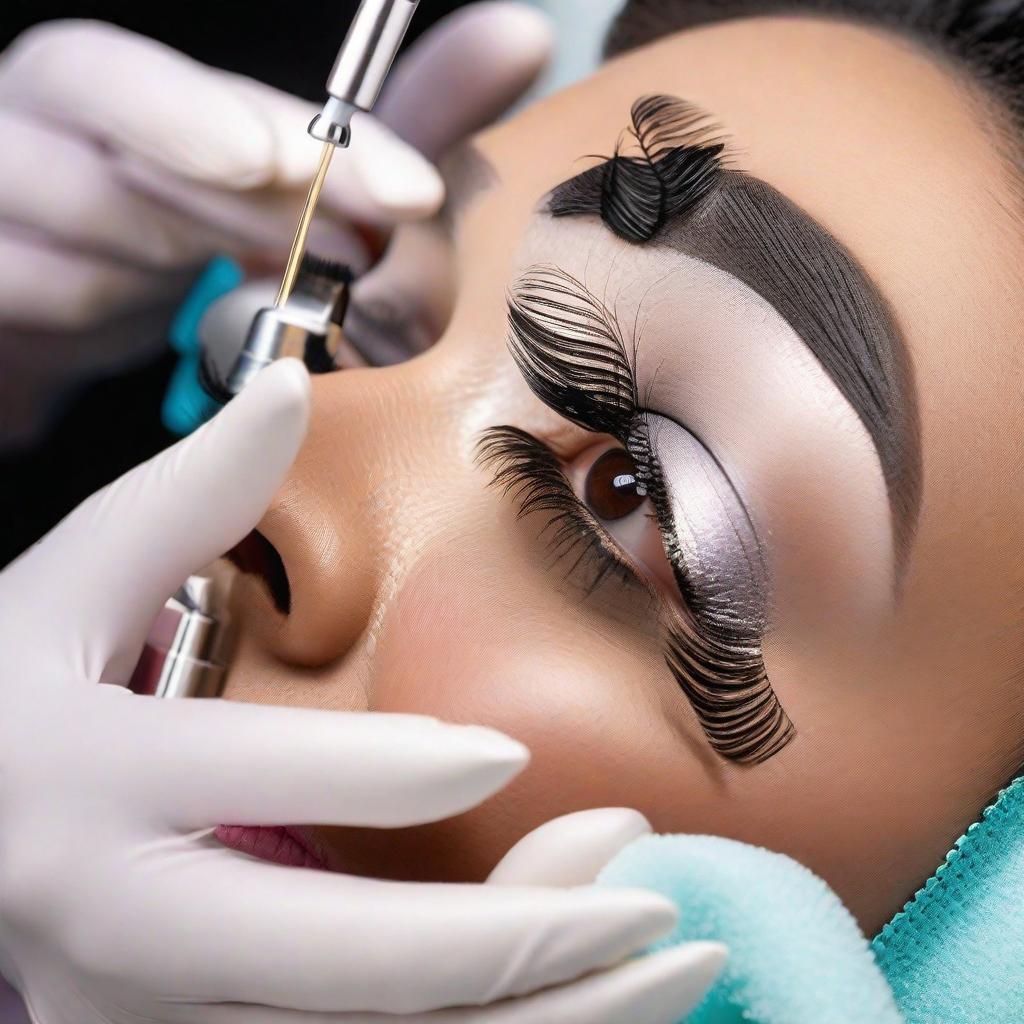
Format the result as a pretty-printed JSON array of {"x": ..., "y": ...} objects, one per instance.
[{"x": 746, "y": 228}]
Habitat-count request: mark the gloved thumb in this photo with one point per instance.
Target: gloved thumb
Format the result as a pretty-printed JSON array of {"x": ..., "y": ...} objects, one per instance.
[
  {"x": 102, "y": 575},
  {"x": 570, "y": 850}
]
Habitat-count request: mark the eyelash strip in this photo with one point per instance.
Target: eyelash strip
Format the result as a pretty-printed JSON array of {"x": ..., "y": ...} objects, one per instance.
[{"x": 568, "y": 349}]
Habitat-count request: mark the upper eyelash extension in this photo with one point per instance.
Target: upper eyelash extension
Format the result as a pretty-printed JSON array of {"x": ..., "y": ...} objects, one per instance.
[
  {"x": 566, "y": 344},
  {"x": 529, "y": 471},
  {"x": 567, "y": 347},
  {"x": 678, "y": 165},
  {"x": 718, "y": 666}
]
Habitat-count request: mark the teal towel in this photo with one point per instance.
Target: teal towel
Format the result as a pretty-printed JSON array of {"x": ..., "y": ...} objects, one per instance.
[
  {"x": 796, "y": 955},
  {"x": 186, "y": 406},
  {"x": 955, "y": 953}
]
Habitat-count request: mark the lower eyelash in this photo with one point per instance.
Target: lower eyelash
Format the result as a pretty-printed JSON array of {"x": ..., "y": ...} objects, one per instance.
[
  {"x": 726, "y": 683},
  {"x": 528, "y": 470}
]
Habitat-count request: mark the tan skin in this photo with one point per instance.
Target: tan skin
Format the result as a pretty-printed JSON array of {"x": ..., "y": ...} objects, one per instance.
[{"x": 416, "y": 589}]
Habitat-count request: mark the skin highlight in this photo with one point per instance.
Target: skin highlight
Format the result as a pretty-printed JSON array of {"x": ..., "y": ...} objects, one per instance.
[{"x": 415, "y": 587}]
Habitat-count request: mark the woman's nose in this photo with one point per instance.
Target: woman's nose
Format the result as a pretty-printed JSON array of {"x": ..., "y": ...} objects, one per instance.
[{"x": 328, "y": 524}]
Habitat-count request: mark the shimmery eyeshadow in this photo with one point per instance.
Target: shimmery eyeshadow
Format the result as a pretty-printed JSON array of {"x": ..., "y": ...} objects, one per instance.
[{"x": 711, "y": 538}]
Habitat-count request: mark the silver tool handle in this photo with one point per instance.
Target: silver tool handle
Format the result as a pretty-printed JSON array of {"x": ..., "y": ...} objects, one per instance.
[
  {"x": 364, "y": 60},
  {"x": 369, "y": 50}
]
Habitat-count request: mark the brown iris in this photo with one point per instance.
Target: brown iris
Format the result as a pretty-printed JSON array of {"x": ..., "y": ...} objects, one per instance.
[{"x": 612, "y": 490}]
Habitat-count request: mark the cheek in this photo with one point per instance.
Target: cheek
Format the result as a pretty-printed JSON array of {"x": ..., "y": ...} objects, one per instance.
[
  {"x": 470, "y": 648},
  {"x": 487, "y": 651}
]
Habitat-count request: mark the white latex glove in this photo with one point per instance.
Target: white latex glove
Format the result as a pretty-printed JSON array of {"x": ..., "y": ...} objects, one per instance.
[
  {"x": 571, "y": 851},
  {"x": 127, "y": 165},
  {"x": 117, "y": 905},
  {"x": 568, "y": 852}
]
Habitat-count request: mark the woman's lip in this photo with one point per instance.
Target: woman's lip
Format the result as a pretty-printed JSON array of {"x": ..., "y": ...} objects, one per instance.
[
  {"x": 311, "y": 841},
  {"x": 278, "y": 844}
]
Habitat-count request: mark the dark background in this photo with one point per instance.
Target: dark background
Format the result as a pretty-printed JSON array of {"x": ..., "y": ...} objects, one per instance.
[{"x": 115, "y": 424}]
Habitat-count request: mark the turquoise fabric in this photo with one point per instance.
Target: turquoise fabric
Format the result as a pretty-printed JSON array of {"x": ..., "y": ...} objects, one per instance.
[
  {"x": 796, "y": 955},
  {"x": 955, "y": 953},
  {"x": 186, "y": 406}
]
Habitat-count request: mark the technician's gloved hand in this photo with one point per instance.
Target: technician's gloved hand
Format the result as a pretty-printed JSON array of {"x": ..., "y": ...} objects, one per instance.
[
  {"x": 117, "y": 906},
  {"x": 128, "y": 165}
]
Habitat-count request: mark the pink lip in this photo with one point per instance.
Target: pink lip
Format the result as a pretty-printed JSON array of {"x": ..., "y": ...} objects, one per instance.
[{"x": 279, "y": 845}]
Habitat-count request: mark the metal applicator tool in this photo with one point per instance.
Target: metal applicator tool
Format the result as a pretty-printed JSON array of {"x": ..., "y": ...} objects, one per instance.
[
  {"x": 355, "y": 81},
  {"x": 183, "y": 656}
]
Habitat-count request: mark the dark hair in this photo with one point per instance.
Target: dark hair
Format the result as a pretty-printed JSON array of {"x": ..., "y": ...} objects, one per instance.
[{"x": 986, "y": 36}]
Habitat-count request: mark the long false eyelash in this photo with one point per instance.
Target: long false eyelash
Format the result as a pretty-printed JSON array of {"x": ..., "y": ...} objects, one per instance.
[
  {"x": 724, "y": 679},
  {"x": 566, "y": 345},
  {"x": 718, "y": 664},
  {"x": 678, "y": 164},
  {"x": 529, "y": 472},
  {"x": 568, "y": 349}
]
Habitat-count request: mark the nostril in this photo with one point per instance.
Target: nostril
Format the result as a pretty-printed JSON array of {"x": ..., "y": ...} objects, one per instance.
[{"x": 257, "y": 556}]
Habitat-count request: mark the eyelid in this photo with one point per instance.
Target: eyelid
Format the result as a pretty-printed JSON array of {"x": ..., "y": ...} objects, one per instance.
[{"x": 709, "y": 530}]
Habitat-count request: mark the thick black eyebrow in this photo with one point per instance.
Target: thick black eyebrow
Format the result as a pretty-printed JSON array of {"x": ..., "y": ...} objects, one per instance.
[{"x": 746, "y": 228}]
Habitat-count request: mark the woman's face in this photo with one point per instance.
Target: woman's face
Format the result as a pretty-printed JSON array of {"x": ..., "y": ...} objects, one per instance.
[{"x": 819, "y": 379}]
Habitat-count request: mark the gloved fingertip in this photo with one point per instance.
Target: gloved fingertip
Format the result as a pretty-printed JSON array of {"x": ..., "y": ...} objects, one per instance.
[
  {"x": 268, "y": 420},
  {"x": 409, "y": 197},
  {"x": 281, "y": 391},
  {"x": 256, "y": 437},
  {"x": 674, "y": 981},
  {"x": 570, "y": 850},
  {"x": 465, "y": 72}
]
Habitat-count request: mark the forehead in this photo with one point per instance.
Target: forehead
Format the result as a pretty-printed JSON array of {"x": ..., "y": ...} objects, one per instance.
[
  {"x": 885, "y": 148},
  {"x": 889, "y": 151}
]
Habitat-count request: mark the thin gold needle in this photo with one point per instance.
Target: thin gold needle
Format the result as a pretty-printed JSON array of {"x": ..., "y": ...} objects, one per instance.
[{"x": 291, "y": 270}]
